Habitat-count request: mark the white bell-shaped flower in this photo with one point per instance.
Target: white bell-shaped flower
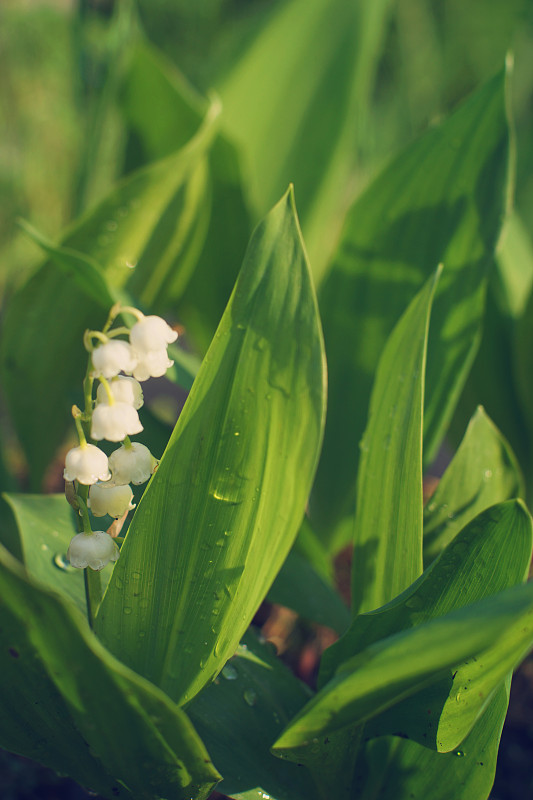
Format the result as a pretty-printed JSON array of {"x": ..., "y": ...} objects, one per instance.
[
  {"x": 86, "y": 464},
  {"x": 114, "y": 422},
  {"x": 152, "y": 364},
  {"x": 107, "y": 498},
  {"x": 93, "y": 550},
  {"x": 124, "y": 390},
  {"x": 111, "y": 358},
  {"x": 132, "y": 464},
  {"x": 151, "y": 333}
]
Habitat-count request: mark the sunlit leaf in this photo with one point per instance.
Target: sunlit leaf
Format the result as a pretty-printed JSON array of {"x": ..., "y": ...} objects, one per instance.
[
  {"x": 388, "y": 523},
  {"x": 222, "y": 511}
]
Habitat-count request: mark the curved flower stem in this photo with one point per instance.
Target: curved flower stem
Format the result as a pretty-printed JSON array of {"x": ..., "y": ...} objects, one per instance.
[{"x": 109, "y": 393}]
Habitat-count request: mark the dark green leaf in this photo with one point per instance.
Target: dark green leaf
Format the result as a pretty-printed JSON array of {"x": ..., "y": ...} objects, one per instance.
[
  {"x": 69, "y": 704},
  {"x": 300, "y": 587},
  {"x": 242, "y": 714}
]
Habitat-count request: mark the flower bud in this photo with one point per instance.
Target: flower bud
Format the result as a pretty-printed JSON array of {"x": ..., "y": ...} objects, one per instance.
[
  {"x": 152, "y": 364},
  {"x": 124, "y": 390},
  {"x": 93, "y": 550},
  {"x": 132, "y": 464},
  {"x": 107, "y": 498},
  {"x": 111, "y": 358},
  {"x": 114, "y": 422},
  {"x": 151, "y": 333},
  {"x": 86, "y": 464}
]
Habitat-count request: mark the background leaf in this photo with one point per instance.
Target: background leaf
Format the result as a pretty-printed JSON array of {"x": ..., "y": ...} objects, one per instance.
[
  {"x": 441, "y": 200},
  {"x": 297, "y": 101},
  {"x": 222, "y": 511},
  {"x": 134, "y": 225}
]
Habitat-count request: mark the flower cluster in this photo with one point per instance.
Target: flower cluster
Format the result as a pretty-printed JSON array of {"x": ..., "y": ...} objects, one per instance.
[{"x": 103, "y": 484}]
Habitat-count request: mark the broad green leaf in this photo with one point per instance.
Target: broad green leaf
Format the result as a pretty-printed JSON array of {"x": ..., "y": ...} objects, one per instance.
[
  {"x": 68, "y": 703},
  {"x": 297, "y": 104},
  {"x": 46, "y": 524},
  {"x": 440, "y": 200},
  {"x": 300, "y": 587},
  {"x": 397, "y": 667},
  {"x": 463, "y": 573},
  {"x": 220, "y": 514},
  {"x": 136, "y": 235},
  {"x": 483, "y": 472},
  {"x": 388, "y": 524},
  {"x": 409, "y": 770},
  {"x": 241, "y": 714}
]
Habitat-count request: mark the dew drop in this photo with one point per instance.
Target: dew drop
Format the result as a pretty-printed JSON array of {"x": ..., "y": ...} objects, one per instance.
[
  {"x": 127, "y": 610},
  {"x": 187, "y": 649},
  {"x": 229, "y": 672},
  {"x": 228, "y": 533},
  {"x": 44, "y": 547},
  {"x": 220, "y": 542},
  {"x": 487, "y": 475},
  {"x": 111, "y": 225},
  {"x": 459, "y": 753},
  {"x": 61, "y": 562},
  {"x": 250, "y": 697}
]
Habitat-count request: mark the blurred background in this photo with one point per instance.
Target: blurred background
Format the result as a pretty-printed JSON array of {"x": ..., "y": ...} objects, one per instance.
[{"x": 65, "y": 140}]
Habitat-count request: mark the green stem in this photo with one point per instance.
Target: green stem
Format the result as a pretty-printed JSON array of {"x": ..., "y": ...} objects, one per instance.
[{"x": 93, "y": 592}]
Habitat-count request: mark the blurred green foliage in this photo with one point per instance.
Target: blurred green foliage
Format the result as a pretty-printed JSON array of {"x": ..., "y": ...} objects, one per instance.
[{"x": 56, "y": 58}]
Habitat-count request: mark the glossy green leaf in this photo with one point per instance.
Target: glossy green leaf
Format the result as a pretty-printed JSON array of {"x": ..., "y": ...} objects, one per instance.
[
  {"x": 46, "y": 524},
  {"x": 242, "y": 714},
  {"x": 297, "y": 103},
  {"x": 441, "y": 200},
  {"x": 483, "y": 472},
  {"x": 68, "y": 703},
  {"x": 388, "y": 524},
  {"x": 462, "y": 574},
  {"x": 396, "y": 769},
  {"x": 222, "y": 511},
  {"x": 399, "y": 666},
  {"x": 443, "y": 715},
  {"x": 137, "y": 234},
  {"x": 300, "y": 587}
]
